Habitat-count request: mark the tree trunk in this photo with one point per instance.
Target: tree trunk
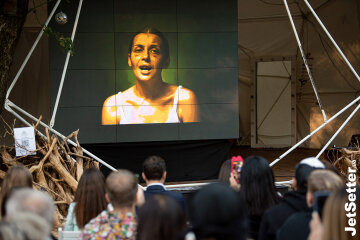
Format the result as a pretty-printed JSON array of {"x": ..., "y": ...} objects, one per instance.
[{"x": 12, "y": 17}]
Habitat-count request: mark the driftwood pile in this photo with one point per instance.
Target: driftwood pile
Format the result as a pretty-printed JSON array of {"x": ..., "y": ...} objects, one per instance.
[
  {"x": 348, "y": 158},
  {"x": 56, "y": 168}
]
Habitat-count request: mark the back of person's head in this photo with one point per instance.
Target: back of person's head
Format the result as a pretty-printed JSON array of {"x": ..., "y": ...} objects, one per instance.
[
  {"x": 16, "y": 176},
  {"x": 121, "y": 188},
  {"x": 257, "y": 185},
  {"x": 33, "y": 226},
  {"x": 31, "y": 201},
  {"x": 303, "y": 170},
  {"x": 90, "y": 196},
  {"x": 217, "y": 211},
  {"x": 160, "y": 218},
  {"x": 335, "y": 219},
  {"x": 154, "y": 168},
  {"x": 225, "y": 171},
  {"x": 324, "y": 180},
  {"x": 9, "y": 231}
]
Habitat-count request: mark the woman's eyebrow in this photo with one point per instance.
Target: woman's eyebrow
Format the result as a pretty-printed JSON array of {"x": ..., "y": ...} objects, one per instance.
[
  {"x": 138, "y": 45},
  {"x": 154, "y": 46}
]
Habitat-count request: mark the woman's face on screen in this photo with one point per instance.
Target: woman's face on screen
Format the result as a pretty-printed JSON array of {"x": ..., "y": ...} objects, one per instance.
[{"x": 146, "y": 58}]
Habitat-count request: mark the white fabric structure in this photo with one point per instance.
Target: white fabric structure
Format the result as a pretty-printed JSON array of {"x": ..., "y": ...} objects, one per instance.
[{"x": 265, "y": 32}]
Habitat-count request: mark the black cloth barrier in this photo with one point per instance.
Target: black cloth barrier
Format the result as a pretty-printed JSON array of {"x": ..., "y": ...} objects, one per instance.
[{"x": 185, "y": 160}]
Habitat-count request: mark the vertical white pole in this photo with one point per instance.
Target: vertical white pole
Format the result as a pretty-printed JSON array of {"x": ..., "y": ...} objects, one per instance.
[{"x": 305, "y": 60}]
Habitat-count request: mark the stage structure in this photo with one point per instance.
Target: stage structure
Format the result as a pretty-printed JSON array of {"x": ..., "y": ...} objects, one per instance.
[
  {"x": 315, "y": 90},
  {"x": 10, "y": 106}
]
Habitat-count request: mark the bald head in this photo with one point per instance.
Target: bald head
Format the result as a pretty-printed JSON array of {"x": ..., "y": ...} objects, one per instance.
[{"x": 121, "y": 187}]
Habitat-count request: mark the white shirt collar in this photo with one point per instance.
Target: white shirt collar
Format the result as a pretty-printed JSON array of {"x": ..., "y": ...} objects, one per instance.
[{"x": 156, "y": 184}]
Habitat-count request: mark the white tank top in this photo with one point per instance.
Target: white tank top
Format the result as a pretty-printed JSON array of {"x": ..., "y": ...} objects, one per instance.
[{"x": 126, "y": 115}]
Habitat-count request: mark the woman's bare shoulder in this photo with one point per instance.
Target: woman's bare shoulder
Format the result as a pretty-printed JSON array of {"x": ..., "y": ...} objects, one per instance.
[
  {"x": 187, "y": 96},
  {"x": 110, "y": 101},
  {"x": 108, "y": 115}
]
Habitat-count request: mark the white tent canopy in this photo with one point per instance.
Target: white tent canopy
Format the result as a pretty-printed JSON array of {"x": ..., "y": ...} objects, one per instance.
[{"x": 265, "y": 33}]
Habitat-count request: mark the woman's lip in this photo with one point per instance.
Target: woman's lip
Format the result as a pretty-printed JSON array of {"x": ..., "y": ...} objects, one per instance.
[
  {"x": 146, "y": 67},
  {"x": 145, "y": 71}
]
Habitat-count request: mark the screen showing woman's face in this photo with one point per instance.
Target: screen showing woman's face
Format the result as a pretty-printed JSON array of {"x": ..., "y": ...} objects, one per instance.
[
  {"x": 165, "y": 71},
  {"x": 146, "y": 58}
]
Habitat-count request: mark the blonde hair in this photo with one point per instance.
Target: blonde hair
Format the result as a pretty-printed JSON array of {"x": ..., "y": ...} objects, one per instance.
[
  {"x": 324, "y": 180},
  {"x": 335, "y": 219}
]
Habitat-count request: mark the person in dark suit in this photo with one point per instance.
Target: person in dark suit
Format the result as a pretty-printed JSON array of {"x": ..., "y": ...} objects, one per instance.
[{"x": 154, "y": 174}]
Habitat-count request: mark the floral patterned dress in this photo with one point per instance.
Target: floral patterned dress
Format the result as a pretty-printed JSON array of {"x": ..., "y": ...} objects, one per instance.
[{"x": 111, "y": 225}]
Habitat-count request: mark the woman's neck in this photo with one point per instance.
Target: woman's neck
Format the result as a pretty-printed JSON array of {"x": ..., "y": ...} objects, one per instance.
[
  {"x": 149, "y": 89},
  {"x": 124, "y": 210}
]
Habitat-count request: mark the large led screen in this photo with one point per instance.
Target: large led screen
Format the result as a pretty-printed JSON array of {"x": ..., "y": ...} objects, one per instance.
[{"x": 148, "y": 71}]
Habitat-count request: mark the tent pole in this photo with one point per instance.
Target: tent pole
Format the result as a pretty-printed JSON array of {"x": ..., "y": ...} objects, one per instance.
[
  {"x": 305, "y": 61},
  {"x": 338, "y": 131},
  {"x": 313, "y": 132},
  {"x": 332, "y": 40}
]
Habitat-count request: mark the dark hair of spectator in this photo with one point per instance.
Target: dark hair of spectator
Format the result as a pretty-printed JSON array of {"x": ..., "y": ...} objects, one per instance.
[
  {"x": 16, "y": 176},
  {"x": 154, "y": 167},
  {"x": 225, "y": 171},
  {"x": 217, "y": 211},
  {"x": 90, "y": 196},
  {"x": 165, "y": 44},
  {"x": 121, "y": 187},
  {"x": 160, "y": 218},
  {"x": 257, "y": 185}
]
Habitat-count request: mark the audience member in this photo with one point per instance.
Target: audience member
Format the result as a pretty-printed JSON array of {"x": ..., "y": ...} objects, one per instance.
[
  {"x": 119, "y": 222},
  {"x": 160, "y": 218},
  {"x": 297, "y": 225},
  {"x": 217, "y": 212},
  {"x": 258, "y": 190},
  {"x": 16, "y": 176},
  {"x": 292, "y": 202},
  {"x": 9, "y": 231},
  {"x": 140, "y": 197},
  {"x": 26, "y": 200},
  {"x": 154, "y": 174},
  {"x": 225, "y": 172},
  {"x": 27, "y": 226},
  {"x": 338, "y": 214},
  {"x": 89, "y": 200}
]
